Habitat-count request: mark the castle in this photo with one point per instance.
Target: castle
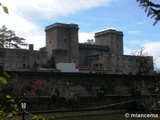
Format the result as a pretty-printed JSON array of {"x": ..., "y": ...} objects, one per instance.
[{"x": 62, "y": 46}]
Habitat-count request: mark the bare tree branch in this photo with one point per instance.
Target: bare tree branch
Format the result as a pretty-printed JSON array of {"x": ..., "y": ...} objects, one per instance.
[{"x": 142, "y": 58}]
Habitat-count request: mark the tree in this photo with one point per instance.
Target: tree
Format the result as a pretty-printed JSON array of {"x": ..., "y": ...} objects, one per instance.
[
  {"x": 4, "y": 111},
  {"x": 9, "y": 39},
  {"x": 52, "y": 62},
  {"x": 144, "y": 62},
  {"x": 35, "y": 66},
  {"x": 152, "y": 9},
  {"x": 5, "y": 9},
  {"x": 55, "y": 94},
  {"x": 10, "y": 110},
  {"x": 90, "y": 41}
]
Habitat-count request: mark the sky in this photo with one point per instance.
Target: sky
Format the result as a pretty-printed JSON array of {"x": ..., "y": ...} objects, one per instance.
[{"x": 29, "y": 18}]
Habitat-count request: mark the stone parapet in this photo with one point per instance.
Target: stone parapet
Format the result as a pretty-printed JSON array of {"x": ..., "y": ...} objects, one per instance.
[
  {"x": 109, "y": 31},
  {"x": 94, "y": 47},
  {"x": 75, "y": 26}
]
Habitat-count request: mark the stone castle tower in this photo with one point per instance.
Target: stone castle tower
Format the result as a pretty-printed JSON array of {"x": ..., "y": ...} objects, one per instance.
[
  {"x": 104, "y": 56},
  {"x": 111, "y": 38},
  {"x": 62, "y": 42}
]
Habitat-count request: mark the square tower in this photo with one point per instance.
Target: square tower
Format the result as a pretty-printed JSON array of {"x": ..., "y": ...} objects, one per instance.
[
  {"x": 111, "y": 38},
  {"x": 62, "y": 38}
]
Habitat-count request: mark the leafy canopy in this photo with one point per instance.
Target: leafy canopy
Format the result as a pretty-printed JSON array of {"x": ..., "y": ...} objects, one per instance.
[
  {"x": 152, "y": 9},
  {"x": 5, "y": 9},
  {"x": 9, "y": 39}
]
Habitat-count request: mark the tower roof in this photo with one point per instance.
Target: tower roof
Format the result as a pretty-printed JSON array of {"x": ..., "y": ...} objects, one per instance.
[
  {"x": 62, "y": 25},
  {"x": 108, "y": 31}
]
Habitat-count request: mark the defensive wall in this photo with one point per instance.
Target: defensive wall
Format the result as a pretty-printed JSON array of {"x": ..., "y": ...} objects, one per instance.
[
  {"x": 86, "y": 50},
  {"x": 77, "y": 90},
  {"x": 42, "y": 83},
  {"x": 14, "y": 59},
  {"x": 93, "y": 47}
]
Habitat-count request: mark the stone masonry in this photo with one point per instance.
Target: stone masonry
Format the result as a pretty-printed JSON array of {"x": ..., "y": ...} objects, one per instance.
[
  {"x": 105, "y": 55},
  {"x": 106, "y": 52}
]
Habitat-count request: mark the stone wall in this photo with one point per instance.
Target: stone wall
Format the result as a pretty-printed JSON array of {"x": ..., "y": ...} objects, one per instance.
[
  {"x": 51, "y": 42},
  {"x": 127, "y": 64},
  {"x": 107, "y": 51},
  {"x": 41, "y": 84},
  {"x": 14, "y": 59},
  {"x": 86, "y": 50},
  {"x": 111, "y": 38}
]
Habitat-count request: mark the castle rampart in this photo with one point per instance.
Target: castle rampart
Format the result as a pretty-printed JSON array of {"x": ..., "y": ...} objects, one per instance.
[
  {"x": 93, "y": 47},
  {"x": 109, "y": 31},
  {"x": 61, "y": 25},
  {"x": 62, "y": 43}
]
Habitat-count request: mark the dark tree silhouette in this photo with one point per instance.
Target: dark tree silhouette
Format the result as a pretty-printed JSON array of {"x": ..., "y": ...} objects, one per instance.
[
  {"x": 9, "y": 39},
  {"x": 52, "y": 62},
  {"x": 152, "y": 9},
  {"x": 143, "y": 63}
]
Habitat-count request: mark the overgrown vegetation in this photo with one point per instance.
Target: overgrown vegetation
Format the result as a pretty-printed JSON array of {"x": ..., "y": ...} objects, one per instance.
[
  {"x": 10, "y": 111},
  {"x": 10, "y": 114},
  {"x": 143, "y": 62}
]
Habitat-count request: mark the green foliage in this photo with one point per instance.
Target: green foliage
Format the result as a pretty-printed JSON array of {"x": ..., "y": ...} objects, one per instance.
[
  {"x": 100, "y": 93},
  {"x": 3, "y": 76},
  {"x": 5, "y": 9},
  {"x": 152, "y": 9},
  {"x": 13, "y": 113},
  {"x": 35, "y": 66},
  {"x": 10, "y": 40},
  {"x": 39, "y": 117},
  {"x": 55, "y": 93},
  {"x": 52, "y": 63}
]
